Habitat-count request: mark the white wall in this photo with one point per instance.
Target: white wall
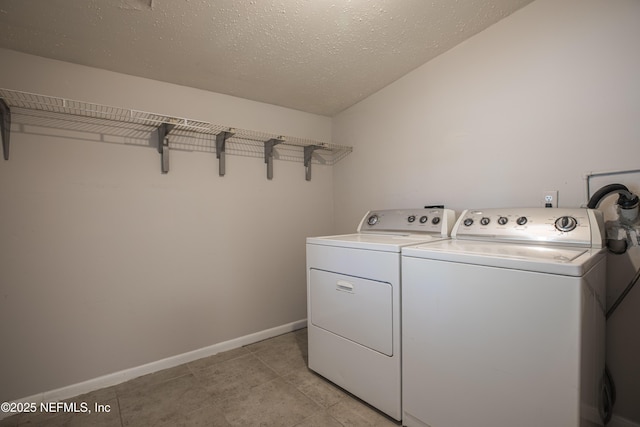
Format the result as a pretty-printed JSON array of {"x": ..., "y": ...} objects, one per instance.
[
  {"x": 107, "y": 264},
  {"x": 531, "y": 104}
]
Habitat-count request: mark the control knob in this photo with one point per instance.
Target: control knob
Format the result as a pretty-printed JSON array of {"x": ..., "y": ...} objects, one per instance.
[
  {"x": 468, "y": 222},
  {"x": 435, "y": 220},
  {"x": 411, "y": 218},
  {"x": 423, "y": 219},
  {"x": 372, "y": 220},
  {"x": 566, "y": 223},
  {"x": 485, "y": 221},
  {"x": 503, "y": 220},
  {"x": 522, "y": 220}
]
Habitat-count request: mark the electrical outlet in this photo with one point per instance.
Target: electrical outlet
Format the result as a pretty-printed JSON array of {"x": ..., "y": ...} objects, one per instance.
[{"x": 550, "y": 199}]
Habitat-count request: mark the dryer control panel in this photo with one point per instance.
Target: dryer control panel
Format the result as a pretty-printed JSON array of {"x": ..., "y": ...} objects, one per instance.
[
  {"x": 409, "y": 221},
  {"x": 573, "y": 226}
]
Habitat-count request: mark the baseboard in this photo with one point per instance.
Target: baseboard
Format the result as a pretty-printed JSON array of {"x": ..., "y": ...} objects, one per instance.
[
  {"x": 129, "y": 374},
  {"x": 617, "y": 421}
]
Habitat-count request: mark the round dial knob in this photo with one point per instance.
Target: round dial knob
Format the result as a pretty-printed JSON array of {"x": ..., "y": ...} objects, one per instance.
[
  {"x": 468, "y": 222},
  {"x": 411, "y": 218},
  {"x": 423, "y": 219},
  {"x": 503, "y": 220},
  {"x": 522, "y": 220},
  {"x": 372, "y": 220},
  {"x": 566, "y": 223},
  {"x": 435, "y": 220},
  {"x": 485, "y": 221}
]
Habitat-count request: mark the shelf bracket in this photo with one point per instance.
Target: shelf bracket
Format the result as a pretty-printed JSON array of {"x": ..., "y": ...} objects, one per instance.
[
  {"x": 221, "y": 142},
  {"x": 308, "y": 153},
  {"x": 268, "y": 154},
  {"x": 163, "y": 145},
  {"x": 5, "y": 127}
]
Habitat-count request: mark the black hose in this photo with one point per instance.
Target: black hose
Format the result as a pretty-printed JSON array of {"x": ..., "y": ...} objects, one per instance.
[
  {"x": 609, "y": 392},
  {"x": 623, "y": 294},
  {"x": 611, "y": 387},
  {"x": 604, "y": 191},
  {"x": 626, "y": 198}
]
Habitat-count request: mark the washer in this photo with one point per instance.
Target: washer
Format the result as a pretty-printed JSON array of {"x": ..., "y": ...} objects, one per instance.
[
  {"x": 504, "y": 324},
  {"x": 353, "y": 296}
]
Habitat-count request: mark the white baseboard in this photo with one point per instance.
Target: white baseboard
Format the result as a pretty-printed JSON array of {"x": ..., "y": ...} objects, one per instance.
[
  {"x": 617, "y": 421},
  {"x": 129, "y": 374}
]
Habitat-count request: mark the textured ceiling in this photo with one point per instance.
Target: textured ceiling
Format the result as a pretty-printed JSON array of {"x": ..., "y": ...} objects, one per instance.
[{"x": 318, "y": 56}]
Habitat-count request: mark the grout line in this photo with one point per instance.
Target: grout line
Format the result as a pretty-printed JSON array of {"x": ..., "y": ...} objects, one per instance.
[{"x": 119, "y": 411}]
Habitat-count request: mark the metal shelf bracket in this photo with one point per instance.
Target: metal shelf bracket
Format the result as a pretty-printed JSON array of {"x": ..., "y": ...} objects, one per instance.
[
  {"x": 5, "y": 125},
  {"x": 308, "y": 154},
  {"x": 221, "y": 140},
  {"x": 268, "y": 154},
  {"x": 163, "y": 145}
]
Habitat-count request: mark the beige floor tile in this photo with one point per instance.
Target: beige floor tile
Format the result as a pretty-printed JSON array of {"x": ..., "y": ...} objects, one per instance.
[
  {"x": 263, "y": 384},
  {"x": 49, "y": 418},
  {"x": 162, "y": 402},
  {"x": 275, "y": 403},
  {"x": 37, "y": 420},
  {"x": 302, "y": 334},
  {"x": 11, "y": 421},
  {"x": 283, "y": 353},
  {"x": 321, "y": 419},
  {"x": 235, "y": 377},
  {"x": 352, "y": 412},
  {"x": 315, "y": 387},
  {"x": 101, "y": 397},
  {"x": 154, "y": 378},
  {"x": 298, "y": 337},
  {"x": 206, "y": 362},
  {"x": 109, "y": 417},
  {"x": 206, "y": 416}
]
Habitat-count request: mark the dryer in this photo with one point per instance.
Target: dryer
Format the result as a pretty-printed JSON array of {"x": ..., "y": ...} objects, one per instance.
[
  {"x": 504, "y": 324},
  {"x": 353, "y": 296}
]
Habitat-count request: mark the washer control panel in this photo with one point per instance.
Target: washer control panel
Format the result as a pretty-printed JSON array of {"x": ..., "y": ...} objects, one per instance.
[
  {"x": 576, "y": 227},
  {"x": 409, "y": 221}
]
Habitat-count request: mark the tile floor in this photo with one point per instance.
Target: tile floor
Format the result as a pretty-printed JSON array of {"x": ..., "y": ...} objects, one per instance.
[{"x": 263, "y": 384}]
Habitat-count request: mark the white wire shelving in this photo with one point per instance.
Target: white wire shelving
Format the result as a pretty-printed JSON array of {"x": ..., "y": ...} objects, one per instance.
[{"x": 164, "y": 132}]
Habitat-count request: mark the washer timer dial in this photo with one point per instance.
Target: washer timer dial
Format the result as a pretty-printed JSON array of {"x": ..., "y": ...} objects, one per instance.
[
  {"x": 372, "y": 220},
  {"x": 566, "y": 223}
]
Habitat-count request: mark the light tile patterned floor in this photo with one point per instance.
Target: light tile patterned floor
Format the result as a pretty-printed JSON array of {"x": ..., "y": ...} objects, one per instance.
[{"x": 262, "y": 384}]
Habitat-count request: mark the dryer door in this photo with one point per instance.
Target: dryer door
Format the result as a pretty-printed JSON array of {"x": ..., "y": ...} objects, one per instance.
[{"x": 357, "y": 309}]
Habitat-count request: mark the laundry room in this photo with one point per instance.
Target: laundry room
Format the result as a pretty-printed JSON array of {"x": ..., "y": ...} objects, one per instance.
[{"x": 132, "y": 245}]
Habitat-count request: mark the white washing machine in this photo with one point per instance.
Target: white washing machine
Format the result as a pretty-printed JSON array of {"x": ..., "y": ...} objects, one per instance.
[
  {"x": 504, "y": 324},
  {"x": 353, "y": 292}
]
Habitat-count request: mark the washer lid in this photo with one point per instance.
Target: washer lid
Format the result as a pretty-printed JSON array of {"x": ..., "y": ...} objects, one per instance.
[
  {"x": 570, "y": 261},
  {"x": 374, "y": 242}
]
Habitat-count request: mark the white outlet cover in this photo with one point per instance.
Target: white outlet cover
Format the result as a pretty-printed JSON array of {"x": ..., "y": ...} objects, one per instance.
[{"x": 550, "y": 197}]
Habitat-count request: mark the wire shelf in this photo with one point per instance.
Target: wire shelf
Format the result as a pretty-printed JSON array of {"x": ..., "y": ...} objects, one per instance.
[{"x": 186, "y": 134}]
